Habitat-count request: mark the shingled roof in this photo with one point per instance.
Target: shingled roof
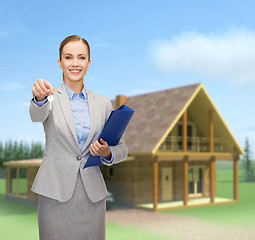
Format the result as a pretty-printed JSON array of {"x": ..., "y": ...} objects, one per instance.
[{"x": 154, "y": 113}]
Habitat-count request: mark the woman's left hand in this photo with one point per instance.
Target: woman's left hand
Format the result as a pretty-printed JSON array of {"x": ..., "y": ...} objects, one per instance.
[{"x": 97, "y": 149}]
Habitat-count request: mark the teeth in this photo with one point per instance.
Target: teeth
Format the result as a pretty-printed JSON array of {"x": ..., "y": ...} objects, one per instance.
[{"x": 75, "y": 70}]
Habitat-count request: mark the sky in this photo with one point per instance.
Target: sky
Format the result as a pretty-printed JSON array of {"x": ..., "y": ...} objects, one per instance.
[{"x": 137, "y": 47}]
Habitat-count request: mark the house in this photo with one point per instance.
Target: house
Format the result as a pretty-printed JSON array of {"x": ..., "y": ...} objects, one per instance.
[{"x": 174, "y": 138}]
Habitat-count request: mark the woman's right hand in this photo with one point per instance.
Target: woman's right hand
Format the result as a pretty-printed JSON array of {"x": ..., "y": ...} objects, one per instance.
[{"x": 41, "y": 89}]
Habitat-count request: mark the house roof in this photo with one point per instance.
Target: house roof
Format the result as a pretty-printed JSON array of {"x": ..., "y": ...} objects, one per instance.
[
  {"x": 156, "y": 114},
  {"x": 27, "y": 162}
]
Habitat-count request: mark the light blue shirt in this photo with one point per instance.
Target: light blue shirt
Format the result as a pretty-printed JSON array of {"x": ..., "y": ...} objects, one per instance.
[{"x": 81, "y": 115}]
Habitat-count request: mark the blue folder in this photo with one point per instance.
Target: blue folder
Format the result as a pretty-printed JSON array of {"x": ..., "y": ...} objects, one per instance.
[{"x": 112, "y": 131}]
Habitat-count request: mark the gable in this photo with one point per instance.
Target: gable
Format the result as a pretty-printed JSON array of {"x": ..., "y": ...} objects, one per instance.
[{"x": 198, "y": 108}]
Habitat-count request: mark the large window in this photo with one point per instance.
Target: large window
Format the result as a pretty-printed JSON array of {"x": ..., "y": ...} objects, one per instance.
[{"x": 195, "y": 181}]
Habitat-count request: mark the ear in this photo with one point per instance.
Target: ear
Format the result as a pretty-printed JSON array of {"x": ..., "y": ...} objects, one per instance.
[{"x": 60, "y": 64}]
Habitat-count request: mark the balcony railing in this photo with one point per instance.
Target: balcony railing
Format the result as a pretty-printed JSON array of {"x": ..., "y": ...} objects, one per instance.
[{"x": 194, "y": 144}]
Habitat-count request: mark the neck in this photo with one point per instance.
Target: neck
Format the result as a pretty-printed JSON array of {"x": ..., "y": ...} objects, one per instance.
[{"x": 76, "y": 86}]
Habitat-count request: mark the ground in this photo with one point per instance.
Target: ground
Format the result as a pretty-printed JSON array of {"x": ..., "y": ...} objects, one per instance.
[{"x": 176, "y": 227}]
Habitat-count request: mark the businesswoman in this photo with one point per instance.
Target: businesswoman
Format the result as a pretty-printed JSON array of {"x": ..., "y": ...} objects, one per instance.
[{"x": 72, "y": 200}]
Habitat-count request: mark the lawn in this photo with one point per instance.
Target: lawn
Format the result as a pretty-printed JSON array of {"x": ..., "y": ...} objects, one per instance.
[
  {"x": 23, "y": 218},
  {"x": 19, "y": 221},
  {"x": 241, "y": 214}
]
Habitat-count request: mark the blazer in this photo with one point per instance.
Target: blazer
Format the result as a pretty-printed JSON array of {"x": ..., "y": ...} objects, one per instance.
[{"x": 57, "y": 174}]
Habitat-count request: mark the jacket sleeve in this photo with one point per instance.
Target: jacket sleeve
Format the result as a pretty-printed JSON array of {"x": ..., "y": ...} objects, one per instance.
[
  {"x": 40, "y": 103},
  {"x": 119, "y": 151},
  {"x": 38, "y": 113}
]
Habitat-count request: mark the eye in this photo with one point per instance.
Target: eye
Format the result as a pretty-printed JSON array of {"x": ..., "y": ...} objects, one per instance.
[
  {"x": 67, "y": 57},
  {"x": 83, "y": 57}
]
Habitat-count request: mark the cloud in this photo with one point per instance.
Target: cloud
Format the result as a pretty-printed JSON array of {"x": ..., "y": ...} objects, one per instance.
[
  {"x": 11, "y": 86},
  {"x": 229, "y": 56}
]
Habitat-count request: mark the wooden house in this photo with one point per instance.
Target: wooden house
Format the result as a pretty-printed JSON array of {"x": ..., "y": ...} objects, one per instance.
[{"x": 174, "y": 139}]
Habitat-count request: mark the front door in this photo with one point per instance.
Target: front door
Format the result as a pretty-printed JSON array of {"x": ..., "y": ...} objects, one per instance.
[
  {"x": 167, "y": 183},
  {"x": 196, "y": 176}
]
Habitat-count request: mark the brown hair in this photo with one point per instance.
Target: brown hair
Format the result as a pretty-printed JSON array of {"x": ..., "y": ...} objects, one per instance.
[{"x": 72, "y": 38}]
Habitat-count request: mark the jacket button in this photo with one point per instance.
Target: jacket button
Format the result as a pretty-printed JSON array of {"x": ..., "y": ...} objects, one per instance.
[{"x": 78, "y": 158}]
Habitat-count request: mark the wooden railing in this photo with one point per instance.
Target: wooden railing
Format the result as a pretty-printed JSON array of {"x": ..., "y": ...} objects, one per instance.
[{"x": 194, "y": 144}]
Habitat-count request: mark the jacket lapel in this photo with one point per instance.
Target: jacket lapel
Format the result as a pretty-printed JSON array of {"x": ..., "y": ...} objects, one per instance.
[{"x": 66, "y": 109}]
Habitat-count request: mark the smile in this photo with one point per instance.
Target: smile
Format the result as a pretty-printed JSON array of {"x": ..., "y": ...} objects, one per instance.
[{"x": 75, "y": 71}]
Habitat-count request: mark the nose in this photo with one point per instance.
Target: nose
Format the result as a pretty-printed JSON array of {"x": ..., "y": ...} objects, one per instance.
[{"x": 75, "y": 62}]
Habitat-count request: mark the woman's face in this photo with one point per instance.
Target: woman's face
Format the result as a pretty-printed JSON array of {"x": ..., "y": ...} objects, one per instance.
[{"x": 74, "y": 61}]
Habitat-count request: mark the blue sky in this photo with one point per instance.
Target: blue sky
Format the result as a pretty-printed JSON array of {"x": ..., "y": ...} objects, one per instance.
[{"x": 136, "y": 47}]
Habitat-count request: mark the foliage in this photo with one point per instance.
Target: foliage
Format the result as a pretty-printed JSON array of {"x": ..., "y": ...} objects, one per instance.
[
  {"x": 248, "y": 163},
  {"x": 14, "y": 150}
]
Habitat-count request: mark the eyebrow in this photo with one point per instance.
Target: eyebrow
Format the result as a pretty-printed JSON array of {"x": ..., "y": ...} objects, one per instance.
[{"x": 72, "y": 55}]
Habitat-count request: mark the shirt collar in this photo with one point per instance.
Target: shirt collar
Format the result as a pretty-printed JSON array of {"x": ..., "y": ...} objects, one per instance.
[{"x": 71, "y": 93}]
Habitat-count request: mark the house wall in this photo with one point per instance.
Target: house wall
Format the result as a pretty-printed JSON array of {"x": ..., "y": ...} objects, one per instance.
[
  {"x": 121, "y": 183},
  {"x": 132, "y": 181},
  {"x": 31, "y": 173},
  {"x": 178, "y": 178}
]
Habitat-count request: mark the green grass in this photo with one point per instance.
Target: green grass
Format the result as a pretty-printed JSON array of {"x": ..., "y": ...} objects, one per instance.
[
  {"x": 241, "y": 213},
  {"x": 19, "y": 221},
  {"x": 22, "y": 185}
]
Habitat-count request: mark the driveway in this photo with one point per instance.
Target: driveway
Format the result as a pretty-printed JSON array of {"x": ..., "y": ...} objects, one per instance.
[{"x": 177, "y": 227}]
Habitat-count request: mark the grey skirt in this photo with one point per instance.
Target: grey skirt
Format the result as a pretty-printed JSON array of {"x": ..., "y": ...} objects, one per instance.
[{"x": 75, "y": 219}]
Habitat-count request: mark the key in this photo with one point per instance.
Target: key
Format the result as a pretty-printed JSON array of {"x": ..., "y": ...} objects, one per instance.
[{"x": 50, "y": 99}]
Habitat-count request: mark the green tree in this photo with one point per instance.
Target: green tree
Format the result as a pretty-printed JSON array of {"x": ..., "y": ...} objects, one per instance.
[
  {"x": 248, "y": 164},
  {"x": 8, "y": 150},
  {"x": 26, "y": 151},
  {"x": 1, "y": 154},
  {"x": 15, "y": 151},
  {"x": 36, "y": 150}
]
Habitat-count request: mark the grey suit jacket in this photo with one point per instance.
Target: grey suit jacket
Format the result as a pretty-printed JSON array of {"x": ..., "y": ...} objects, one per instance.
[{"x": 56, "y": 177}]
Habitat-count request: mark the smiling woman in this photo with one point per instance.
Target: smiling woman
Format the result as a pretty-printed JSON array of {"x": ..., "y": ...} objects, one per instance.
[
  {"x": 72, "y": 200},
  {"x": 76, "y": 59}
]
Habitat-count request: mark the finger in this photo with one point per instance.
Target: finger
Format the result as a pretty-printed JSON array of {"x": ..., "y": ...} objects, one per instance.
[
  {"x": 103, "y": 142},
  {"x": 94, "y": 150},
  {"x": 49, "y": 86},
  {"x": 95, "y": 147},
  {"x": 98, "y": 144},
  {"x": 42, "y": 85},
  {"x": 39, "y": 90},
  {"x": 92, "y": 153},
  {"x": 34, "y": 92}
]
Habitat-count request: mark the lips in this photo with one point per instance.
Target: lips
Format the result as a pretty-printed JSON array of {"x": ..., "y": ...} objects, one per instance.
[{"x": 75, "y": 71}]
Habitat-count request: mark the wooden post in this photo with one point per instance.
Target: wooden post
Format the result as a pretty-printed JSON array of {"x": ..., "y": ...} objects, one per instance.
[
  {"x": 8, "y": 180},
  {"x": 185, "y": 181},
  {"x": 235, "y": 179},
  {"x": 211, "y": 147},
  {"x": 155, "y": 185},
  {"x": 235, "y": 166},
  {"x": 17, "y": 181},
  {"x": 184, "y": 131},
  {"x": 212, "y": 179}
]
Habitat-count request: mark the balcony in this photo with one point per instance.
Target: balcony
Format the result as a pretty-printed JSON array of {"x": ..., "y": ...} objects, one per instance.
[{"x": 194, "y": 144}]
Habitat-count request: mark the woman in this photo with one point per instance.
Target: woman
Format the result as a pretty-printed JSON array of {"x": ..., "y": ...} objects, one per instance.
[{"x": 72, "y": 200}]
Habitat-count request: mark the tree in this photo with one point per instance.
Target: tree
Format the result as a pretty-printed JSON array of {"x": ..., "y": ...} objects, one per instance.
[
  {"x": 248, "y": 164},
  {"x": 1, "y": 154}
]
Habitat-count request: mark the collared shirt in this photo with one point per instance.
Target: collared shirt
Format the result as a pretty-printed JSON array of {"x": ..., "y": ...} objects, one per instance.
[{"x": 81, "y": 115}]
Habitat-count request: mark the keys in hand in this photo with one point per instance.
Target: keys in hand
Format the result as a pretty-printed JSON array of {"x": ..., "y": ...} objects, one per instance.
[{"x": 50, "y": 99}]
